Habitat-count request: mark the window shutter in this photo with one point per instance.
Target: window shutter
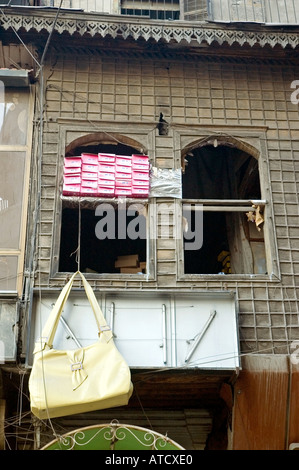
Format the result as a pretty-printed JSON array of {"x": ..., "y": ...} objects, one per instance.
[
  {"x": 237, "y": 10},
  {"x": 195, "y": 10}
]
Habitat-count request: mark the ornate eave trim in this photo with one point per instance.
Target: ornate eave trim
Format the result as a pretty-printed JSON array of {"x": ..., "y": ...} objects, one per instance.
[{"x": 97, "y": 25}]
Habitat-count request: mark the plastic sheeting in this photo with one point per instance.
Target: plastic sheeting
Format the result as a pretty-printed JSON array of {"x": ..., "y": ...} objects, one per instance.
[{"x": 166, "y": 183}]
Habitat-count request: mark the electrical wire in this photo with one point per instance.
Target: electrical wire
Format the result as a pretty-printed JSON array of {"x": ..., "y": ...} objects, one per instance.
[{"x": 20, "y": 39}]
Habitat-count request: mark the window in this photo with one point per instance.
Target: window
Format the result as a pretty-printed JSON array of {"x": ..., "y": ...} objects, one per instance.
[
  {"x": 102, "y": 235},
  {"x": 223, "y": 182},
  {"x": 189, "y": 10},
  {"x": 154, "y": 10},
  {"x": 15, "y": 138}
]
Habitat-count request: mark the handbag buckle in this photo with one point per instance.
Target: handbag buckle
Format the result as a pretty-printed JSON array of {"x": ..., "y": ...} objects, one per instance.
[{"x": 76, "y": 366}]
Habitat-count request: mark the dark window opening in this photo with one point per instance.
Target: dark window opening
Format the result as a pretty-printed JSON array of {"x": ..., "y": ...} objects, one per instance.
[
  {"x": 96, "y": 255},
  {"x": 232, "y": 242},
  {"x": 220, "y": 173},
  {"x": 152, "y": 14},
  {"x": 205, "y": 260}
]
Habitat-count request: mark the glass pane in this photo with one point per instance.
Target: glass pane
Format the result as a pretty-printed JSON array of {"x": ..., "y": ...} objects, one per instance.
[
  {"x": 8, "y": 272},
  {"x": 12, "y": 167},
  {"x": 13, "y": 116}
]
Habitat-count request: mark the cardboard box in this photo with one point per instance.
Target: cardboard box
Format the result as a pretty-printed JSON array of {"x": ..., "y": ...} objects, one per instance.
[
  {"x": 106, "y": 191},
  {"x": 72, "y": 170},
  {"x": 71, "y": 189},
  {"x": 106, "y": 176},
  {"x": 89, "y": 192},
  {"x": 106, "y": 167},
  {"x": 123, "y": 176},
  {"x": 89, "y": 158},
  {"x": 123, "y": 183},
  {"x": 90, "y": 168},
  {"x": 140, "y": 183},
  {"x": 123, "y": 192},
  {"x": 89, "y": 184},
  {"x": 140, "y": 175},
  {"x": 123, "y": 160},
  {"x": 140, "y": 167},
  {"x": 106, "y": 157},
  {"x": 140, "y": 159},
  {"x": 73, "y": 162},
  {"x": 89, "y": 175},
  {"x": 140, "y": 192},
  {"x": 140, "y": 162},
  {"x": 130, "y": 270},
  {"x": 126, "y": 261},
  {"x": 106, "y": 183},
  {"x": 123, "y": 169},
  {"x": 72, "y": 179}
]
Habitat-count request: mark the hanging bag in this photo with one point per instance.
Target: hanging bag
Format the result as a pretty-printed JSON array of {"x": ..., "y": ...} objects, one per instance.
[{"x": 90, "y": 378}]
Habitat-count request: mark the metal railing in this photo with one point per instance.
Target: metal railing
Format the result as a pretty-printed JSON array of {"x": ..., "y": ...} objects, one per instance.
[{"x": 257, "y": 11}]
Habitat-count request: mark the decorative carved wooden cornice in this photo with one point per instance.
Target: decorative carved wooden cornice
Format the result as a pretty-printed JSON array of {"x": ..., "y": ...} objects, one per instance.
[{"x": 100, "y": 25}]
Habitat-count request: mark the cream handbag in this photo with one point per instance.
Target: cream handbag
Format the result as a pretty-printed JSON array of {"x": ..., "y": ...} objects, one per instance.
[{"x": 75, "y": 381}]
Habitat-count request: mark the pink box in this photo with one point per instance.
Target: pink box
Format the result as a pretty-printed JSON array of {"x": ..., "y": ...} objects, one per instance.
[
  {"x": 104, "y": 182},
  {"x": 89, "y": 175},
  {"x": 71, "y": 190},
  {"x": 89, "y": 192},
  {"x": 140, "y": 183},
  {"x": 90, "y": 168},
  {"x": 139, "y": 158},
  {"x": 106, "y": 167},
  {"x": 106, "y": 176},
  {"x": 106, "y": 191},
  {"x": 123, "y": 183},
  {"x": 124, "y": 160},
  {"x": 123, "y": 191},
  {"x": 140, "y": 167},
  {"x": 140, "y": 192},
  {"x": 89, "y": 184},
  {"x": 72, "y": 162},
  {"x": 89, "y": 158},
  {"x": 72, "y": 179},
  {"x": 106, "y": 157},
  {"x": 140, "y": 175},
  {"x": 72, "y": 170},
  {"x": 123, "y": 169},
  {"x": 123, "y": 176}
]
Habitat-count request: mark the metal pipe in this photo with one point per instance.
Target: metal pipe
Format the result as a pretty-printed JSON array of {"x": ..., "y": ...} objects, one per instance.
[
  {"x": 70, "y": 331},
  {"x": 210, "y": 319},
  {"x": 112, "y": 313},
  {"x": 164, "y": 334}
]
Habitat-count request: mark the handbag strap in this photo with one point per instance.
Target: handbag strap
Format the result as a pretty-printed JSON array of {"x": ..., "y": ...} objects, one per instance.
[{"x": 52, "y": 322}]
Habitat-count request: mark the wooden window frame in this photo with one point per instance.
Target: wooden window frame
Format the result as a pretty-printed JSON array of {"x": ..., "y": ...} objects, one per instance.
[
  {"x": 27, "y": 149},
  {"x": 246, "y": 138},
  {"x": 69, "y": 131}
]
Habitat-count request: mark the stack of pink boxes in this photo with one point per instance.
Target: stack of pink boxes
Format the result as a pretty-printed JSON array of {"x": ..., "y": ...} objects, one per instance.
[
  {"x": 140, "y": 176},
  {"x": 106, "y": 180},
  {"x": 107, "y": 175},
  {"x": 89, "y": 175},
  {"x": 72, "y": 176}
]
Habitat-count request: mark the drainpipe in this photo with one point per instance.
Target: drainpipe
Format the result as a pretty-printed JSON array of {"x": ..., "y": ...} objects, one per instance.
[{"x": 288, "y": 406}]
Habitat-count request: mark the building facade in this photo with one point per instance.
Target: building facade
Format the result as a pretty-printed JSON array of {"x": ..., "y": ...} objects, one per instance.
[{"x": 208, "y": 321}]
